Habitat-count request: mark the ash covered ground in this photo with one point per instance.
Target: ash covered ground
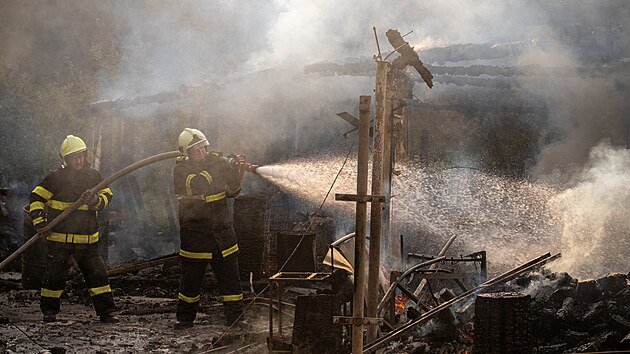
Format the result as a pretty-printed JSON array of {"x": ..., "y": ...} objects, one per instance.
[
  {"x": 566, "y": 315},
  {"x": 147, "y": 303}
]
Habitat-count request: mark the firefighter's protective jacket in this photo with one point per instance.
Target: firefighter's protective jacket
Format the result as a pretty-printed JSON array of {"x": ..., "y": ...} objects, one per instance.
[
  {"x": 58, "y": 191},
  {"x": 202, "y": 188}
]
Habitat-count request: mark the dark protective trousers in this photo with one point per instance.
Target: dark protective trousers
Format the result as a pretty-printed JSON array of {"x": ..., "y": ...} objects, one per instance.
[
  {"x": 57, "y": 273},
  {"x": 229, "y": 282}
]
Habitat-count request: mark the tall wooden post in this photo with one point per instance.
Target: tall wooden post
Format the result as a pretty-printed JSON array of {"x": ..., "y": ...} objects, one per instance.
[
  {"x": 361, "y": 225},
  {"x": 376, "y": 211},
  {"x": 358, "y": 320},
  {"x": 388, "y": 162},
  {"x": 398, "y": 92}
]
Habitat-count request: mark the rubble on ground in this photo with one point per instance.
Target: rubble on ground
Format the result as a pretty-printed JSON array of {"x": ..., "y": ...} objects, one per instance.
[{"x": 567, "y": 315}]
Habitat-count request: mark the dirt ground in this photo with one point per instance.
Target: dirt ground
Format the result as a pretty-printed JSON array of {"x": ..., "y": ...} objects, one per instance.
[{"x": 146, "y": 326}]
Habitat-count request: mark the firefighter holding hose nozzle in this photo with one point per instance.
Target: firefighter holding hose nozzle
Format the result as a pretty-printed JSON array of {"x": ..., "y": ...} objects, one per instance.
[
  {"x": 77, "y": 235},
  {"x": 203, "y": 182}
]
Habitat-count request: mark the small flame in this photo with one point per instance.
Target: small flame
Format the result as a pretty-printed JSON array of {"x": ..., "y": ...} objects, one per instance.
[{"x": 401, "y": 301}]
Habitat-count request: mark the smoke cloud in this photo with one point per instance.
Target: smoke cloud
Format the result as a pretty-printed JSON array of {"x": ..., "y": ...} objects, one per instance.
[
  {"x": 247, "y": 57},
  {"x": 594, "y": 215}
]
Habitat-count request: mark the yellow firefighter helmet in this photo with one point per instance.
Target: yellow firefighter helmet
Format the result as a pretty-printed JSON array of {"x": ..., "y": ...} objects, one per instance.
[
  {"x": 70, "y": 145},
  {"x": 191, "y": 137}
]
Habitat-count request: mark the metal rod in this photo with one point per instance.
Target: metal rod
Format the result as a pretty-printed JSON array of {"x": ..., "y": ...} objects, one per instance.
[
  {"x": 279, "y": 286},
  {"x": 74, "y": 206},
  {"x": 265, "y": 304},
  {"x": 361, "y": 225},
  {"x": 403, "y": 262},
  {"x": 422, "y": 256},
  {"x": 332, "y": 259},
  {"x": 394, "y": 51},
  {"x": 445, "y": 248},
  {"x": 271, "y": 316},
  {"x": 260, "y": 300},
  {"x": 343, "y": 239},
  {"x": 378, "y": 47}
]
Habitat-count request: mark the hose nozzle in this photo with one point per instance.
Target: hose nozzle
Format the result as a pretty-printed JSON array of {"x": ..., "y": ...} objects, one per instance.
[
  {"x": 251, "y": 167},
  {"x": 243, "y": 165}
]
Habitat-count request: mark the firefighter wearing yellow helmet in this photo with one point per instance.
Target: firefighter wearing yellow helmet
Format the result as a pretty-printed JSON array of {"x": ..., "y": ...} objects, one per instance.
[
  {"x": 71, "y": 145},
  {"x": 190, "y": 138},
  {"x": 203, "y": 182},
  {"x": 77, "y": 235}
]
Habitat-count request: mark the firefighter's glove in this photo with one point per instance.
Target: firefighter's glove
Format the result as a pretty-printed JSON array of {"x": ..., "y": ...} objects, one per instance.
[
  {"x": 237, "y": 160},
  {"x": 90, "y": 199},
  {"x": 43, "y": 234},
  {"x": 241, "y": 160}
]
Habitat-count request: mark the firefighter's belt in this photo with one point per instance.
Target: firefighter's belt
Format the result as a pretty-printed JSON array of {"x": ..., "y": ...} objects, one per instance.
[{"x": 73, "y": 238}]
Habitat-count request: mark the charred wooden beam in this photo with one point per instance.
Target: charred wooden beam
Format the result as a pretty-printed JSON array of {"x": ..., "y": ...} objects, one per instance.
[
  {"x": 520, "y": 109},
  {"x": 408, "y": 56},
  {"x": 503, "y": 83},
  {"x": 463, "y": 52},
  {"x": 126, "y": 102},
  {"x": 184, "y": 92},
  {"x": 489, "y": 70},
  {"x": 366, "y": 68},
  {"x": 134, "y": 267}
]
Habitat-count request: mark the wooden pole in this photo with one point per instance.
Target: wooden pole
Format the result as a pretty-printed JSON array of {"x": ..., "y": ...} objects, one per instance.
[
  {"x": 361, "y": 225},
  {"x": 388, "y": 161},
  {"x": 134, "y": 267},
  {"x": 376, "y": 211}
]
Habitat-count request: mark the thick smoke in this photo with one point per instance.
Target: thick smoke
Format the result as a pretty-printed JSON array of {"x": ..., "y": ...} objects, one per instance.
[
  {"x": 583, "y": 109},
  {"x": 594, "y": 215},
  {"x": 148, "y": 47},
  {"x": 248, "y": 57}
]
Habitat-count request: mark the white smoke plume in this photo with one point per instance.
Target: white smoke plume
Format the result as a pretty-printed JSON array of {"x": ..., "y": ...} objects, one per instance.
[{"x": 595, "y": 237}]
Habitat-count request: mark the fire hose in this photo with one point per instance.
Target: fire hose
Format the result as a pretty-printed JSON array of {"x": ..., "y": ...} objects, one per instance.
[{"x": 78, "y": 203}]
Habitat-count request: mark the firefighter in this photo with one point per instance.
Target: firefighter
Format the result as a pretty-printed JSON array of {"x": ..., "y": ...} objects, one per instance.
[
  {"x": 77, "y": 235},
  {"x": 203, "y": 182}
]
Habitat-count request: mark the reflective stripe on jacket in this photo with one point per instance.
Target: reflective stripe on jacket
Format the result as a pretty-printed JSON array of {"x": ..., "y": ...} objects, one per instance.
[
  {"x": 57, "y": 192},
  {"x": 201, "y": 188}
]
